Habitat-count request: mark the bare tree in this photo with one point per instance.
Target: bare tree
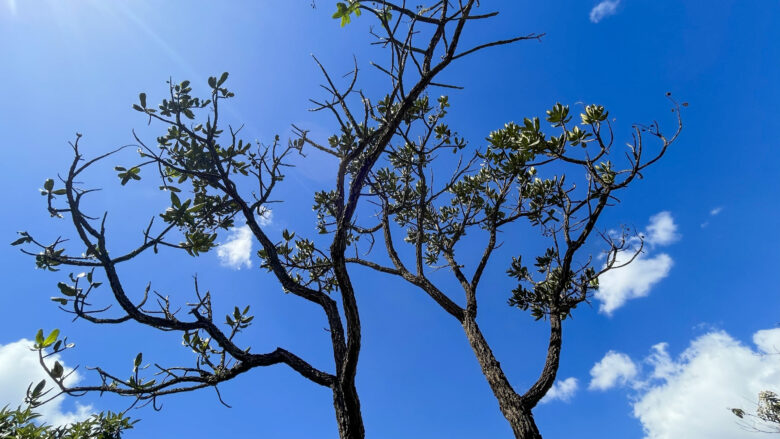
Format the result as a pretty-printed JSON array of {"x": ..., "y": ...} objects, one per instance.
[{"x": 214, "y": 179}]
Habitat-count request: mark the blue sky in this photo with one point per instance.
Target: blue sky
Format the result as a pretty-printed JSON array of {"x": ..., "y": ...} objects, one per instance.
[{"x": 651, "y": 366}]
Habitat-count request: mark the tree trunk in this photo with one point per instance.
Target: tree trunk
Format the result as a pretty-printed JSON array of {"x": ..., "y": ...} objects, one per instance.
[
  {"x": 348, "y": 416},
  {"x": 511, "y": 404},
  {"x": 523, "y": 425}
]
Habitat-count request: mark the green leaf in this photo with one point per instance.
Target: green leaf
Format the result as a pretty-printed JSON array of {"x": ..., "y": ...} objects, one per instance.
[
  {"x": 212, "y": 82},
  {"x": 175, "y": 200},
  {"x": 60, "y": 300},
  {"x": 39, "y": 388},
  {"x": 51, "y": 338},
  {"x": 20, "y": 241},
  {"x": 222, "y": 78},
  {"x": 138, "y": 359},
  {"x": 57, "y": 370},
  {"x": 142, "y": 98},
  {"x": 344, "y": 12},
  {"x": 387, "y": 15},
  {"x": 60, "y": 192},
  {"x": 48, "y": 184},
  {"x": 39, "y": 337},
  {"x": 67, "y": 289},
  {"x": 341, "y": 9}
]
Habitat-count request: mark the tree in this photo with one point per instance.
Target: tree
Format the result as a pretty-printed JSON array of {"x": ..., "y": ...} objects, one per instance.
[
  {"x": 766, "y": 419},
  {"x": 522, "y": 175},
  {"x": 214, "y": 178},
  {"x": 20, "y": 422}
]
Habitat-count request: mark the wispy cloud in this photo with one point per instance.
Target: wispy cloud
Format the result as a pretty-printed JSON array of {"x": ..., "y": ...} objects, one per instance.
[
  {"x": 603, "y": 10},
  {"x": 11, "y": 6},
  {"x": 635, "y": 280},
  {"x": 19, "y": 368},
  {"x": 688, "y": 396},
  {"x": 713, "y": 212},
  {"x": 561, "y": 390}
]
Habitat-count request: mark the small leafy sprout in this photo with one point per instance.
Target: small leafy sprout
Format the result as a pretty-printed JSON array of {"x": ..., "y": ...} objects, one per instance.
[
  {"x": 239, "y": 319},
  {"x": 35, "y": 394},
  {"x": 344, "y": 12},
  {"x": 126, "y": 175},
  {"x": 138, "y": 359},
  {"x": 43, "y": 343}
]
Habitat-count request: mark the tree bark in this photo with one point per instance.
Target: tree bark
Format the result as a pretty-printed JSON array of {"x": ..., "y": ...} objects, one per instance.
[
  {"x": 512, "y": 405},
  {"x": 524, "y": 426},
  {"x": 348, "y": 415}
]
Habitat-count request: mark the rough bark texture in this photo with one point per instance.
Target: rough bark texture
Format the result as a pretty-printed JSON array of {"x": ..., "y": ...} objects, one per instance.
[
  {"x": 348, "y": 416},
  {"x": 514, "y": 407},
  {"x": 524, "y": 426}
]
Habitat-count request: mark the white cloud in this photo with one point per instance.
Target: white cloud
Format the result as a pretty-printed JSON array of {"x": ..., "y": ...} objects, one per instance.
[
  {"x": 11, "y": 6},
  {"x": 635, "y": 280},
  {"x": 662, "y": 230},
  {"x": 713, "y": 212},
  {"x": 768, "y": 340},
  {"x": 19, "y": 367},
  {"x": 690, "y": 396},
  {"x": 614, "y": 369},
  {"x": 603, "y": 9},
  {"x": 662, "y": 363},
  {"x": 561, "y": 390},
  {"x": 237, "y": 250}
]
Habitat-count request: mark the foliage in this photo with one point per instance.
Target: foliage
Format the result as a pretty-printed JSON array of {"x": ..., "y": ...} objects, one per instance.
[
  {"x": 766, "y": 418},
  {"x": 21, "y": 423},
  {"x": 344, "y": 11},
  {"x": 388, "y": 145}
]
